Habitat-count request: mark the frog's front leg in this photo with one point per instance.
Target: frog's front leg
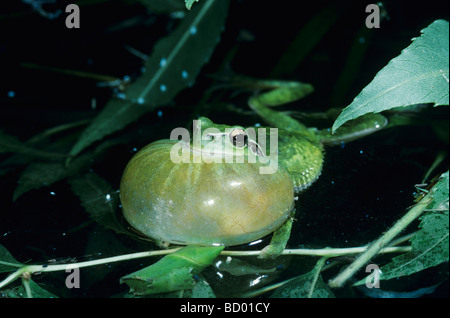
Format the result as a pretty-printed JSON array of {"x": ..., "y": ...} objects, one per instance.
[
  {"x": 278, "y": 242},
  {"x": 281, "y": 92}
]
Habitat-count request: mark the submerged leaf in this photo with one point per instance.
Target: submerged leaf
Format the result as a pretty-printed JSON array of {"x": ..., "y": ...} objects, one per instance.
[
  {"x": 7, "y": 262},
  {"x": 39, "y": 174},
  {"x": 173, "y": 272},
  {"x": 11, "y": 144},
  {"x": 173, "y": 66},
  {"x": 36, "y": 291},
  {"x": 300, "y": 288},
  {"x": 99, "y": 199},
  {"x": 420, "y": 74},
  {"x": 309, "y": 285}
]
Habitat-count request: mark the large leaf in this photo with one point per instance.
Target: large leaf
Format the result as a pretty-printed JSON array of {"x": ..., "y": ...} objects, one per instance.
[
  {"x": 173, "y": 66},
  {"x": 420, "y": 74}
]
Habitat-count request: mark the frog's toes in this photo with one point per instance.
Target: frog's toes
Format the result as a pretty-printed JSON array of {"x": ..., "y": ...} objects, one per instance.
[{"x": 271, "y": 252}]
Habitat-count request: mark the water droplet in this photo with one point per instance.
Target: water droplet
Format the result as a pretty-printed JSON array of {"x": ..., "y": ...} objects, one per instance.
[
  {"x": 52, "y": 193},
  {"x": 11, "y": 94},
  {"x": 163, "y": 62},
  {"x": 184, "y": 74},
  {"x": 120, "y": 95},
  {"x": 159, "y": 114},
  {"x": 193, "y": 30},
  {"x": 163, "y": 88},
  {"x": 140, "y": 101}
]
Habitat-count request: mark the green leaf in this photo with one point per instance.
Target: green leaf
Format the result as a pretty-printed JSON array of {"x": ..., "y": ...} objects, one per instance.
[
  {"x": 173, "y": 66},
  {"x": 99, "y": 199},
  {"x": 36, "y": 291},
  {"x": 430, "y": 245},
  {"x": 309, "y": 285},
  {"x": 420, "y": 74},
  {"x": 10, "y": 143},
  {"x": 39, "y": 174},
  {"x": 300, "y": 288},
  {"x": 173, "y": 272},
  {"x": 189, "y": 3},
  {"x": 7, "y": 262}
]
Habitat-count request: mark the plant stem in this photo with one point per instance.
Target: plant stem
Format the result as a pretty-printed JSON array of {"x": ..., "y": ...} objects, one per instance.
[
  {"x": 327, "y": 252},
  {"x": 375, "y": 247},
  {"x": 317, "y": 269}
]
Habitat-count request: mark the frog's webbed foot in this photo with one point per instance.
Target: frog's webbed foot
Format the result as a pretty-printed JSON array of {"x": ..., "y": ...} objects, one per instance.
[
  {"x": 162, "y": 244},
  {"x": 354, "y": 129},
  {"x": 278, "y": 242}
]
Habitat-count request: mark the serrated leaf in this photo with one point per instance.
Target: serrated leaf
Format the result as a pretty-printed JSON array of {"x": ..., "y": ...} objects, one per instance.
[
  {"x": 430, "y": 245},
  {"x": 172, "y": 272},
  {"x": 173, "y": 66},
  {"x": 420, "y": 74}
]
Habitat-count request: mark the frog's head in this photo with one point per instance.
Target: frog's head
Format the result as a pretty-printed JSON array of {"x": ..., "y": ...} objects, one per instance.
[{"x": 223, "y": 139}]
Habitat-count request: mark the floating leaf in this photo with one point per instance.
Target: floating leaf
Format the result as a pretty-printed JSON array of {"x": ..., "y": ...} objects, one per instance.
[
  {"x": 173, "y": 272},
  {"x": 420, "y": 74},
  {"x": 173, "y": 66}
]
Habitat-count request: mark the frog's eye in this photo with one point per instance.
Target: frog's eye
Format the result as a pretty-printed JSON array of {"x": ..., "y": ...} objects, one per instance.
[{"x": 239, "y": 138}]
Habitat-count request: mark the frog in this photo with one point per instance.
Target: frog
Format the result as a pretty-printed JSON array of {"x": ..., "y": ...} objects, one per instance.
[
  {"x": 301, "y": 149},
  {"x": 176, "y": 192}
]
